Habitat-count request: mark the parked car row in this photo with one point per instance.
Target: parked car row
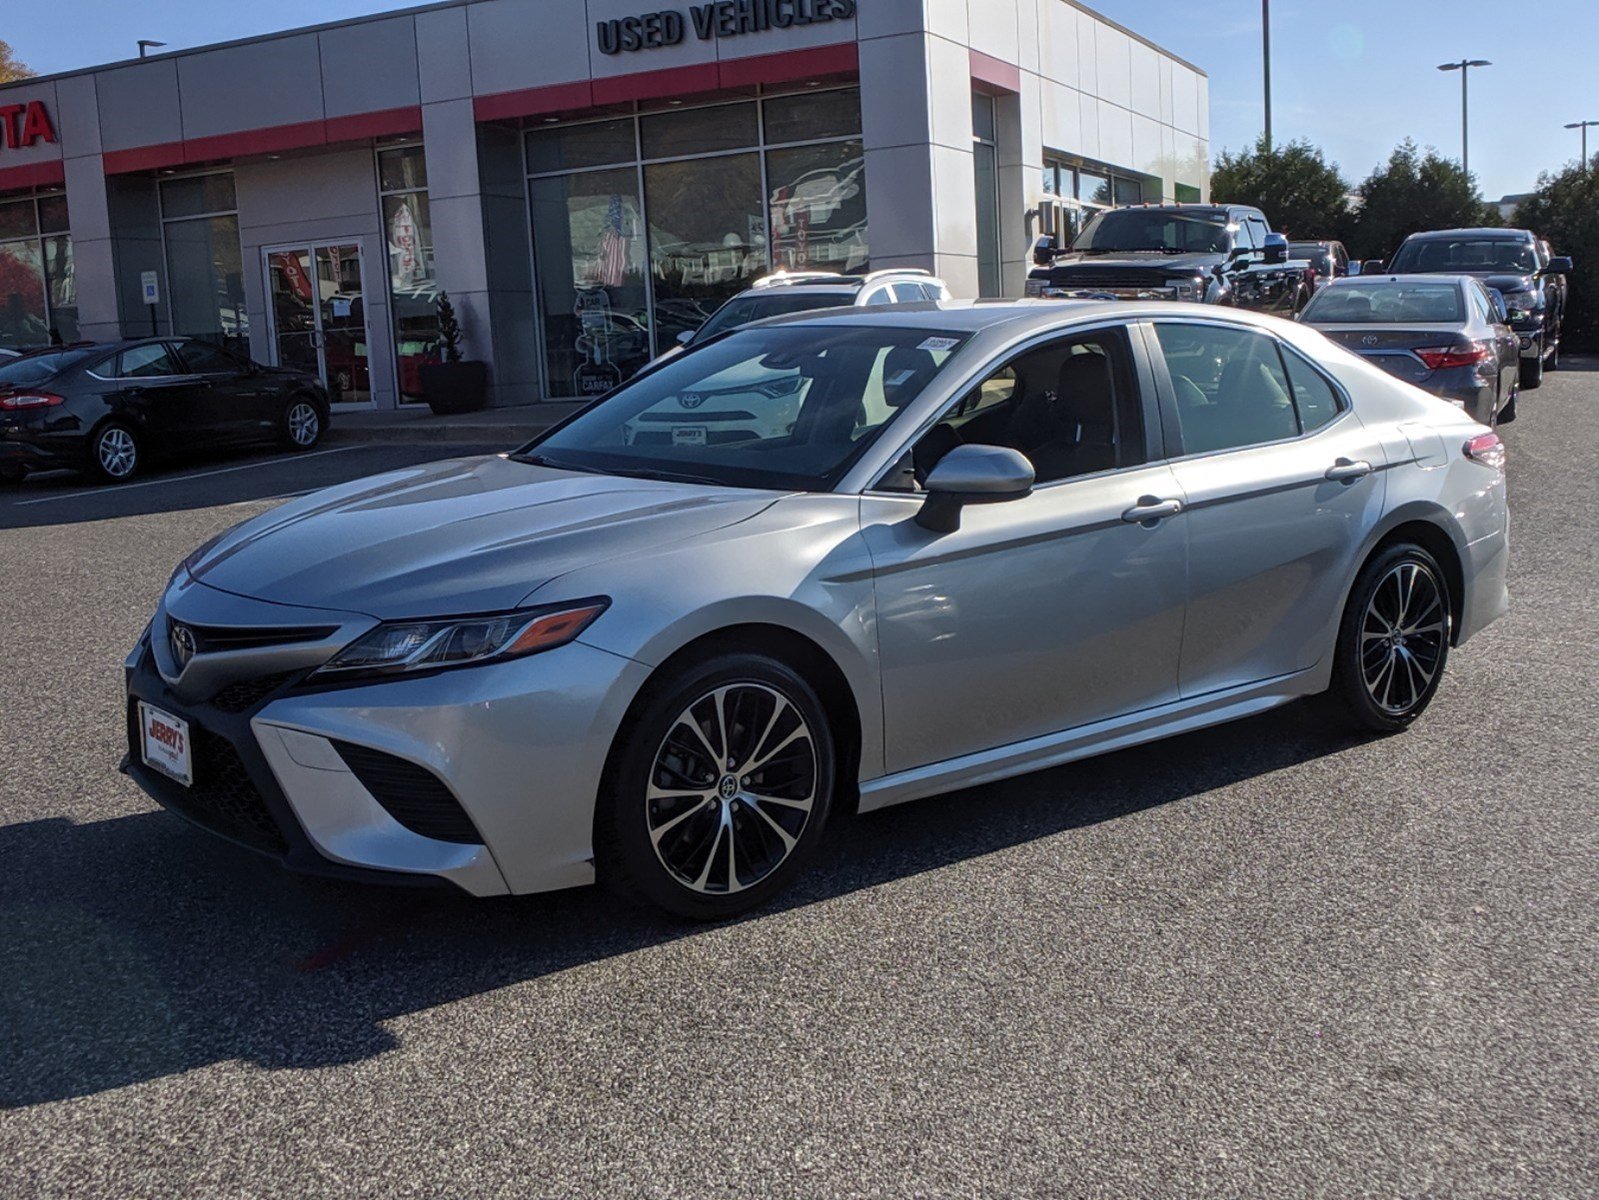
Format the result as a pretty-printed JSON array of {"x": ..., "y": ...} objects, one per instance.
[{"x": 109, "y": 408}]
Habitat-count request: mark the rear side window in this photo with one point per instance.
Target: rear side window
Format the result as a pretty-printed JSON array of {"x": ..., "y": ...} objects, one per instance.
[
  {"x": 1314, "y": 397},
  {"x": 143, "y": 361},
  {"x": 36, "y": 368},
  {"x": 880, "y": 296},
  {"x": 1230, "y": 386},
  {"x": 909, "y": 293}
]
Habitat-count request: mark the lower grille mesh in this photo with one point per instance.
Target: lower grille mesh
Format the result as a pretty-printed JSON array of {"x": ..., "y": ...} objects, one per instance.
[{"x": 412, "y": 795}]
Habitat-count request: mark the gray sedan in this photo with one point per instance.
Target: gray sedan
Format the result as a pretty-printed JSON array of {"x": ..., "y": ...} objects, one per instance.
[
  {"x": 1447, "y": 334},
  {"x": 958, "y": 542}
]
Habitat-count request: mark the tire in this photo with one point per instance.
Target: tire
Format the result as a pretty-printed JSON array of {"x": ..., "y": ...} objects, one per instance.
[
  {"x": 301, "y": 425},
  {"x": 12, "y": 474},
  {"x": 115, "y": 455},
  {"x": 755, "y": 826},
  {"x": 1552, "y": 363},
  {"x": 1532, "y": 372},
  {"x": 1393, "y": 642},
  {"x": 1507, "y": 414}
]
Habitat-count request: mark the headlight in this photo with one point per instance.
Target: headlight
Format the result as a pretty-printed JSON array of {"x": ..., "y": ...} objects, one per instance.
[
  {"x": 1523, "y": 305},
  {"x": 398, "y": 647}
]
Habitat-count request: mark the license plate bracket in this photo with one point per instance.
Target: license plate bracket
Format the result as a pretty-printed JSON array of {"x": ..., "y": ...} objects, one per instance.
[{"x": 164, "y": 744}]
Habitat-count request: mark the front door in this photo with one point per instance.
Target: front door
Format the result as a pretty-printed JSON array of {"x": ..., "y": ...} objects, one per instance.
[
  {"x": 316, "y": 300},
  {"x": 1040, "y": 614}
]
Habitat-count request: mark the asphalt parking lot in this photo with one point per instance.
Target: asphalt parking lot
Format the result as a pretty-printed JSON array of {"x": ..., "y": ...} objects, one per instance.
[{"x": 1260, "y": 960}]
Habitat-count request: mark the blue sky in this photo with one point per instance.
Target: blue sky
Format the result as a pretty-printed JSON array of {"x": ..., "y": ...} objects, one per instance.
[{"x": 1353, "y": 76}]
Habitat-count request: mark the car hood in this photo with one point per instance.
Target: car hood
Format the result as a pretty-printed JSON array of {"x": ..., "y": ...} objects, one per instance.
[
  {"x": 1176, "y": 264},
  {"x": 459, "y": 536}
]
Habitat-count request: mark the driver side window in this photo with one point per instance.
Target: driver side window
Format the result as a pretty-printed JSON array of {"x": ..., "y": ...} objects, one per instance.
[{"x": 1068, "y": 405}]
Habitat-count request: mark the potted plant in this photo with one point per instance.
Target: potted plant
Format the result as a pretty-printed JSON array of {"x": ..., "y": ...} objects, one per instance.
[{"x": 452, "y": 385}]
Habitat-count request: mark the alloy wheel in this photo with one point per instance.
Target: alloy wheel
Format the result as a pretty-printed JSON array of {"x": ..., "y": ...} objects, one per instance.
[
  {"x": 117, "y": 453},
  {"x": 731, "y": 788},
  {"x": 1402, "y": 637},
  {"x": 304, "y": 424}
]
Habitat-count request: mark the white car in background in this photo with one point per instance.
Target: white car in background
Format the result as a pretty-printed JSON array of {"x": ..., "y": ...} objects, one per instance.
[{"x": 725, "y": 409}]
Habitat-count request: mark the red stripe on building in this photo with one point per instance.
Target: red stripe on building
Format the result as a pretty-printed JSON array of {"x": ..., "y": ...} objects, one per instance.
[
  {"x": 533, "y": 102},
  {"x": 657, "y": 85},
  {"x": 274, "y": 139},
  {"x": 44, "y": 174},
  {"x": 994, "y": 74},
  {"x": 790, "y": 66}
]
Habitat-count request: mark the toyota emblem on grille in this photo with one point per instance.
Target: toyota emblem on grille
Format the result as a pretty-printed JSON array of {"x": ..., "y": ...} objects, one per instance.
[
  {"x": 1369, "y": 340},
  {"x": 691, "y": 400},
  {"x": 181, "y": 639}
]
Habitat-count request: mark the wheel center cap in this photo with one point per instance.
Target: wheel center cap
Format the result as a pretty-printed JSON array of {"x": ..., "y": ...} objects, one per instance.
[{"x": 728, "y": 787}]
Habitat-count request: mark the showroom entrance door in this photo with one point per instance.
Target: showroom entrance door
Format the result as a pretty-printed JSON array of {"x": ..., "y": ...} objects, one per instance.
[{"x": 316, "y": 303}]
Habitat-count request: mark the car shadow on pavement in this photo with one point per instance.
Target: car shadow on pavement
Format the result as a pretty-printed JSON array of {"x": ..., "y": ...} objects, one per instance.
[{"x": 138, "y": 948}]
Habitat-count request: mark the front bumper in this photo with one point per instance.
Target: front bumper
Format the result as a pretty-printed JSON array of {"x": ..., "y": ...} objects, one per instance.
[{"x": 518, "y": 747}]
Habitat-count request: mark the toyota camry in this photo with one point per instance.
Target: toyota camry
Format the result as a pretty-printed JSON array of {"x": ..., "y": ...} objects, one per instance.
[{"x": 984, "y": 539}]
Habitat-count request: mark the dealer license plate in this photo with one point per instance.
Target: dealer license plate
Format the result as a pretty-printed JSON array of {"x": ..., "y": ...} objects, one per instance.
[
  {"x": 688, "y": 435},
  {"x": 164, "y": 743}
]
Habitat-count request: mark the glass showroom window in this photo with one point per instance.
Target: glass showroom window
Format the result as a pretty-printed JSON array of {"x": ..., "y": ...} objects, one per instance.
[
  {"x": 985, "y": 163},
  {"x": 38, "y": 297},
  {"x": 664, "y": 215},
  {"x": 205, "y": 268},
  {"x": 1085, "y": 187},
  {"x": 413, "y": 289}
]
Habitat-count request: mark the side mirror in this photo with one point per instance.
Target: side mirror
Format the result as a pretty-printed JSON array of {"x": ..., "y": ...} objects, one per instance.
[
  {"x": 1559, "y": 265},
  {"x": 1276, "y": 248},
  {"x": 972, "y": 474},
  {"x": 1043, "y": 252},
  {"x": 1501, "y": 310},
  {"x": 685, "y": 337},
  {"x": 1372, "y": 266}
]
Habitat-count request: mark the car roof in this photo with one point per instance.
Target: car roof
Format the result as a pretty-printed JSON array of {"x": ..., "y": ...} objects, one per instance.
[
  {"x": 1020, "y": 316},
  {"x": 1415, "y": 277},
  {"x": 1479, "y": 231}
]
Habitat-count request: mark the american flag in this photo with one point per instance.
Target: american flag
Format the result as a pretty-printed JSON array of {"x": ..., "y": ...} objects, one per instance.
[{"x": 612, "y": 263}]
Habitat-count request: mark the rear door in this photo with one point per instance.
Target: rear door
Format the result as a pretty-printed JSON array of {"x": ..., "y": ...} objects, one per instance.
[
  {"x": 1281, "y": 482},
  {"x": 163, "y": 398}
]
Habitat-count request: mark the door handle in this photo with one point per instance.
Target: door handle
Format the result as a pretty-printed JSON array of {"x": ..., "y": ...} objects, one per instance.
[
  {"x": 1150, "y": 510},
  {"x": 1347, "y": 471}
]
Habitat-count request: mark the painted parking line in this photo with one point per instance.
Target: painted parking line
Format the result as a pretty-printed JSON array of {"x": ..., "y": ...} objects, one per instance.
[{"x": 128, "y": 487}]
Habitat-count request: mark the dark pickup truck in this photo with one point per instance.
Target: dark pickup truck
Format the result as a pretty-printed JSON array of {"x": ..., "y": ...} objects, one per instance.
[{"x": 1203, "y": 253}]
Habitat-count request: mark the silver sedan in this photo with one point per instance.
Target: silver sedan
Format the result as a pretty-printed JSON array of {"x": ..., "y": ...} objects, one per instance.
[
  {"x": 1447, "y": 334},
  {"x": 959, "y": 542}
]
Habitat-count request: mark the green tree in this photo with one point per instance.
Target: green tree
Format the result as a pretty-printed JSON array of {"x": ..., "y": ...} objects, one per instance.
[
  {"x": 1414, "y": 191},
  {"x": 1301, "y": 193},
  {"x": 10, "y": 68},
  {"x": 1565, "y": 209}
]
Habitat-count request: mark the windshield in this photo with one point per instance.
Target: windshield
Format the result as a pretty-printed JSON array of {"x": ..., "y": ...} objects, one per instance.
[
  {"x": 36, "y": 368},
  {"x": 1155, "y": 229},
  {"x": 788, "y": 407},
  {"x": 754, "y": 306},
  {"x": 1382, "y": 302},
  {"x": 1419, "y": 256}
]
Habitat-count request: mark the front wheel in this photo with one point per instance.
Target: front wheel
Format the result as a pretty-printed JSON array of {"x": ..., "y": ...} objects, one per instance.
[
  {"x": 114, "y": 454},
  {"x": 1393, "y": 642},
  {"x": 1532, "y": 371},
  {"x": 719, "y": 788},
  {"x": 302, "y": 425}
]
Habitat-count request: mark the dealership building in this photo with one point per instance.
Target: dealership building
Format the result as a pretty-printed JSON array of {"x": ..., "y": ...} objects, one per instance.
[{"x": 585, "y": 178}]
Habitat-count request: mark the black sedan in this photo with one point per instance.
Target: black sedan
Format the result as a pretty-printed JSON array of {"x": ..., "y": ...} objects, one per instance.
[{"x": 109, "y": 407}]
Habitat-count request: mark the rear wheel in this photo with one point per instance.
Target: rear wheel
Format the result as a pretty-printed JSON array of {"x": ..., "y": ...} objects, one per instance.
[
  {"x": 1393, "y": 643},
  {"x": 1507, "y": 414},
  {"x": 302, "y": 424},
  {"x": 114, "y": 453},
  {"x": 1553, "y": 361},
  {"x": 719, "y": 789}
]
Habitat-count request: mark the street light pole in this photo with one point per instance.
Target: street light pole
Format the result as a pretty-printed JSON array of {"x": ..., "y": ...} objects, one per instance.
[
  {"x": 1583, "y": 125},
  {"x": 1464, "y": 67},
  {"x": 1265, "y": 58}
]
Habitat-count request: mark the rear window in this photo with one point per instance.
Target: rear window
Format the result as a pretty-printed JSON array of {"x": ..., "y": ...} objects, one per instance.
[
  {"x": 1464, "y": 254},
  {"x": 36, "y": 368},
  {"x": 741, "y": 310},
  {"x": 1382, "y": 302}
]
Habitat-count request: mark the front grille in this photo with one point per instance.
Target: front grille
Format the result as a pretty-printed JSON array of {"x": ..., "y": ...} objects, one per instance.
[
  {"x": 713, "y": 437},
  {"x": 690, "y": 417},
  {"x": 223, "y": 797},
  {"x": 412, "y": 795},
  {"x": 244, "y": 694},
  {"x": 216, "y": 639},
  {"x": 1107, "y": 277}
]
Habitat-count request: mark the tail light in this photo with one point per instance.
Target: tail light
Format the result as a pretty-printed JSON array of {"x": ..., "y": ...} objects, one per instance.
[
  {"x": 18, "y": 401},
  {"x": 1463, "y": 355},
  {"x": 1487, "y": 449}
]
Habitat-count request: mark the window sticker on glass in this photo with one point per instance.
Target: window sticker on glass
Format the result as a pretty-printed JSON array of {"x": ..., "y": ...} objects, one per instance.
[{"x": 939, "y": 343}]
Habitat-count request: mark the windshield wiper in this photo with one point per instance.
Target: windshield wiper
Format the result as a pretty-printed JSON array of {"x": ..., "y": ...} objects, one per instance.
[
  {"x": 665, "y": 476},
  {"x": 537, "y": 460}
]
